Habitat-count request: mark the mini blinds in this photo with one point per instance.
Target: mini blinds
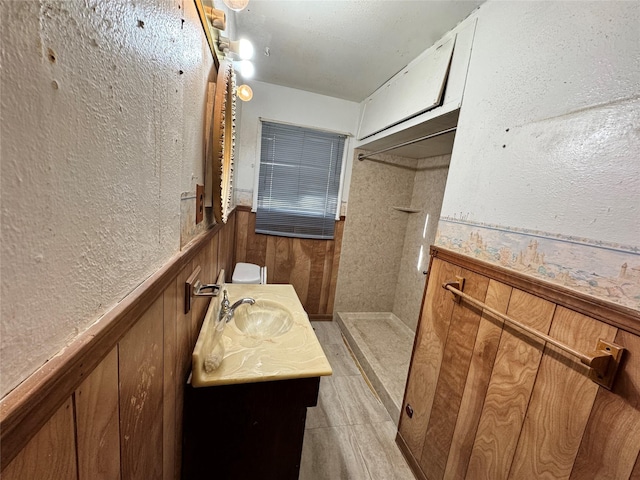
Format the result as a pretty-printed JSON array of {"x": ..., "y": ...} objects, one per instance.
[{"x": 299, "y": 181}]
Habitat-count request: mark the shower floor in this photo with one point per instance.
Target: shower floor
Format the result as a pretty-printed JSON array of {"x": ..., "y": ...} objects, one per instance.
[{"x": 382, "y": 344}]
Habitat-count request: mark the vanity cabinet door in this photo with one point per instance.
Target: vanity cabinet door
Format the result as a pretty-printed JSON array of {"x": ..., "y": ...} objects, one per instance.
[{"x": 251, "y": 430}]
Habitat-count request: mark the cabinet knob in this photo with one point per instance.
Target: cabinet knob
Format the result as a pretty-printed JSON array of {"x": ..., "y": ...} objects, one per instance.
[{"x": 409, "y": 410}]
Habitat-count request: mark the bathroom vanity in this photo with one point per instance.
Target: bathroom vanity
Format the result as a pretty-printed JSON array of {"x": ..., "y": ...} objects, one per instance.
[
  {"x": 246, "y": 431},
  {"x": 246, "y": 418}
]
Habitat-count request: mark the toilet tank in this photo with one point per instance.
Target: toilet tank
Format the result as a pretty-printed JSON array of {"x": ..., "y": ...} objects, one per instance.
[{"x": 246, "y": 273}]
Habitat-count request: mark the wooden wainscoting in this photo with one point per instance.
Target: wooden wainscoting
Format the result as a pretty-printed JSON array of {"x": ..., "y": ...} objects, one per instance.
[
  {"x": 311, "y": 266},
  {"x": 110, "y": 405},
  {"x": 491, "y": 402}
]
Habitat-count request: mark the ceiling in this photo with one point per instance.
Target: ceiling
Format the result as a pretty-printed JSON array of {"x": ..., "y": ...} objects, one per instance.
[{"x": 342, "y": 48}]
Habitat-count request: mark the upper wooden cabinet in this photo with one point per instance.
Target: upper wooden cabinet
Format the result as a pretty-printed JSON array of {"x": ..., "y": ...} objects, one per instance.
[{"x": 420, "y": 86}]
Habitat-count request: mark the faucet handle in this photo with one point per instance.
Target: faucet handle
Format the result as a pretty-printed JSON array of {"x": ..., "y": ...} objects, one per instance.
[{"x": 225, "y": 299}]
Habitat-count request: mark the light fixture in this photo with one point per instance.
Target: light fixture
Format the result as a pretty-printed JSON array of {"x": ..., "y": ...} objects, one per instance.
[
  {"x": 245, "y": 68},
  {"x": 244, "y": 92},
  {"x": 236, "y": 5},
  {"x": 217, "y": 17},
  {"x": 243, "y": 48}
]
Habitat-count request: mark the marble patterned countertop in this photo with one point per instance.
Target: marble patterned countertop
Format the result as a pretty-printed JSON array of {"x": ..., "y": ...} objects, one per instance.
[{"x": 251, "y": 358}]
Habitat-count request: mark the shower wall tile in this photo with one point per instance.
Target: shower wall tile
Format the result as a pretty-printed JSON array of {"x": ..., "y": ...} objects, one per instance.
[
  {"x": 428, "y": 192},
  {"x": 374, "y": 233}
]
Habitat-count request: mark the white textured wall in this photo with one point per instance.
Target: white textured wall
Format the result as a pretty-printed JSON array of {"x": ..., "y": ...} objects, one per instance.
[
  {"x": 548, "y": 136},
  {"x": 287, "y": 105},
  {"x": 101, "y": 133}
]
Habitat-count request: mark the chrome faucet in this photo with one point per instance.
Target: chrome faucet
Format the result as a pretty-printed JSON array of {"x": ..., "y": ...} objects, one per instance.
[{"x": 227, "y": 310}]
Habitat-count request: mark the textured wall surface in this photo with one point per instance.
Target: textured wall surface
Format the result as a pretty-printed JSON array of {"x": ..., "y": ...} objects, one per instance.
[
  {"x": 102, "y": 116},
  {"x": 374, "y": 234},
  {"x": 428, "y": 191},
  {"x": 548, "y": 145}
]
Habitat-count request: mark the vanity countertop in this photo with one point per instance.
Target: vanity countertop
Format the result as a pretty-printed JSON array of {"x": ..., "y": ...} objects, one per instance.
[{"x": 248, "y": 358}]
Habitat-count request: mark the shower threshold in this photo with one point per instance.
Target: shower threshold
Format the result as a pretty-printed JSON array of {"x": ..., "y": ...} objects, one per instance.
[{"x": 382, "y": 344}]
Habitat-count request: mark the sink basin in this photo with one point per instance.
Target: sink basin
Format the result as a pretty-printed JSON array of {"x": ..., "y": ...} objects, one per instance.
[
  {"x": 268, "y": 341},
  {"x": 264, "y": 319}
]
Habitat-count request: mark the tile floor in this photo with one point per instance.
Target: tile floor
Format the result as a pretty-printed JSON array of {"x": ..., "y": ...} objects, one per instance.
[{"x": 349, "y": 435}]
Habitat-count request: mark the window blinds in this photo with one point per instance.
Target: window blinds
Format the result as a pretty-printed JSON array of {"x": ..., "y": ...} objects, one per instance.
[{"x": 299, "y": 181}]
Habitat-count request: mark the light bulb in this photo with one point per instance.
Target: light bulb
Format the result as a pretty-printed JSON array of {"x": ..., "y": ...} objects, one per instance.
[
  {"x": 236, "y": 5},
  {"x": 244, "y": 93},
  {"x": 246, "y": 68}
]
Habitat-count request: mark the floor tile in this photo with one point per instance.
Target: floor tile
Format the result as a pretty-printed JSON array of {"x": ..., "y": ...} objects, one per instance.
[
  {"x": 332, "y": 454},
  {"x": 329, "y": 411},
  {"x": 380, "y": 452},
  {"x": 340, "y": 360},
  {"x": 359, "y": 403},
  {"x": 349, "y": 435},
  {"x": 328, "y": 333}
]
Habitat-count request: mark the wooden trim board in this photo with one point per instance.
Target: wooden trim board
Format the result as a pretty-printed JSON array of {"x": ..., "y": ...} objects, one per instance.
[
  {"x": 608, "y": 312},
  {"x": 408, "y": 456}
]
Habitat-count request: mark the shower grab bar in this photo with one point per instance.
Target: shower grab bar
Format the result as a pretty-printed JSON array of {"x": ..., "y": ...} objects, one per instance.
[{"x": 603, "y": 362}]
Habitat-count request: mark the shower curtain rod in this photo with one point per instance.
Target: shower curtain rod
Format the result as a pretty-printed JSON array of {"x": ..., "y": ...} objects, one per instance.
[{"x": 362, "y": 156}]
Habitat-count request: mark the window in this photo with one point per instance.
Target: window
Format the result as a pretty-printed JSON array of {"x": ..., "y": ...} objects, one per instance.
[{"x": 299, "y": 181}]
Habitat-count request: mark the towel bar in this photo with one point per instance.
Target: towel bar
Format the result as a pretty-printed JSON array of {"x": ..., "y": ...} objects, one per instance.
[{"x": 603, "y": 362}]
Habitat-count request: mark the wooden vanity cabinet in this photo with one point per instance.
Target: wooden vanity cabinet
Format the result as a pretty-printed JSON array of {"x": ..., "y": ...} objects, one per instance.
[{"x": 246, "y": 431}]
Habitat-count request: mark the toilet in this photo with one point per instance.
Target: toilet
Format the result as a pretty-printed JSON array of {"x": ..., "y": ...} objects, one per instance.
[{"x": 249, "y": 273}]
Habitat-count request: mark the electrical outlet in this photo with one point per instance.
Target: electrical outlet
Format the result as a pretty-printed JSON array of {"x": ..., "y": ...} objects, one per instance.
[{"x": 199, "y": 203}]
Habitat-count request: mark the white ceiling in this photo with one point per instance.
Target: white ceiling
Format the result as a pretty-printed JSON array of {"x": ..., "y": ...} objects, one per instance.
[{"x": 342, "y": 48}]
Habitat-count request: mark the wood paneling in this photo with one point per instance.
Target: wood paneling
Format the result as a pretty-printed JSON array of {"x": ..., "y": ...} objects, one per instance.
[
  {"x": 199, "y": 305},
  {"x": 311, "y": 266},
  {"x": 501, "y": 404},
  {"x": 428, "y": 350},
  {"x": 635, "y": 474},
  {"x": 456, "y": 358},
  {"x": 30, "y": 405},
  {"x": 484, "y": 354},
  {"x": 611, "y": 442},
  {"x": 50, "y": 454},
  {"x": 97, "y": 422},
  {"x": 335, "y": 263},
  {"x": 226, "y": 253},
  {"x": 170, "y": 346},
  {"x": 141, "y": 395},
  {"x": 510, "y": 388},
  {"x": 561, "y": 401},
  {"x": 125, "y": 378},
  {"x": 183, "y": 358}
]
